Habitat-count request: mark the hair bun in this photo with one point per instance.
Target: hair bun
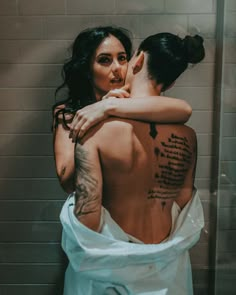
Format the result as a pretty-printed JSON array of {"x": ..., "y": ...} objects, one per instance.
[{"x": 194, "y": 49}]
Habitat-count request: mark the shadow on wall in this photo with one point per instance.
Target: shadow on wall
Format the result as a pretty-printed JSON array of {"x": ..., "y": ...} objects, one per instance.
[{"x": 30, "y": 196}]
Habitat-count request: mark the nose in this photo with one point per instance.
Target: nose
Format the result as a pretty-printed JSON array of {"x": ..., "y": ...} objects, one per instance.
[{"x": 116, "y": 66}]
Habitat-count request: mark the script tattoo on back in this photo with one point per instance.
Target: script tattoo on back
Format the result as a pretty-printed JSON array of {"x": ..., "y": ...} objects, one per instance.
[
  {"x": 169, "y": 177},
  {"x": 85, "y": 185}
]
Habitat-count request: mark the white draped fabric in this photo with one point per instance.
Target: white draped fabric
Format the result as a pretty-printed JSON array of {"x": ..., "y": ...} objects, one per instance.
[{"x": 109, "y": 263}]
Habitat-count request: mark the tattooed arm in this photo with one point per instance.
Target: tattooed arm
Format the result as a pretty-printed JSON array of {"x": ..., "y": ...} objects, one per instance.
[{"x": 88, "y": 185}]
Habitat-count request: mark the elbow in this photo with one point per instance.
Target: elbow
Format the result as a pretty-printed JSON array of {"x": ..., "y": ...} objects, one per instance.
[
  {"x": 91, "y": 221},
  {"x": 66, "y": 180},
  {"x": 95, "y": 226},
  {"x": 188, "y": 112}
]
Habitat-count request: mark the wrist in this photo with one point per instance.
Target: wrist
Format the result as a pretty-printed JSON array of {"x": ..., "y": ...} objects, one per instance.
[{"x": 110, "y": 106}]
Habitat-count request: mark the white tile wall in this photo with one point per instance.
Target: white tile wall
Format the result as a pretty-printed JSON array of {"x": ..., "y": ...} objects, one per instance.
[
  {"x": 47, "y": 253},
  {"x": 28, "y": 145},
  {"x": 33, "y": 51},
  {"x": 43, "y": 51},
  {"x": 226, "y": 257},
  {"x": 36, "y": 210},
  {"x": 200, "y": 75},
  {"x": 230, "y": 75},
  {"x": 204, "y": 144},
  {"x": 231, "y": 5},
  {"x": 89, "y": 7},
  {"x": 210, "y": 50},
  {"x": 42, "y": 7},
  {"x": 230, "y": 28},
  {"x": 201, "y": 121},
  {"x": 8, "y": 7},
  {"x": 139, "y": 6},
  {"x": 28, "y": 232},
  {"x": 18, "y": 122},
  {"x": 10, "y": 52},
  {"x": 21, "y": 99},
  {"x": 229, "y": 169},
  {"x": 35, "y": 75},
  {"x": 189, "y": 6},
  {"x": 228, "y": 148},
  {"x": 151, "y": 24},
  {"x": 229, "y": 100},
  {"x": 203, "y": 167},
  {"x": 229, "y": 126},
  {"x": 36, "y": 289},
  {"x": 67, "y": 28},
  {"x": 230, "y": 50},
  {"x": 27, "y": 166},
  {"x": 17, "y": 28},
  {"x": 203, "y": 24},
  {"x": 37, "y": 189},
  {"x": 200, "y": 98}
]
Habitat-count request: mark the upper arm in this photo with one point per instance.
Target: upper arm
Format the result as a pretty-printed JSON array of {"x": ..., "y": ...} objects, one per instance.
[
  {"x": 63, "y": 154},
  {"x": 88, "y": 184},
  {"x": 158, "y": 109},
  {"x": 172, "y": 110}
]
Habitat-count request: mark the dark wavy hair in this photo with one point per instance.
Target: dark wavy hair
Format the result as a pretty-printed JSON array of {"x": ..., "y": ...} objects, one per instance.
[
  {"x": 169, "y": 56},
  {"x": 76, "y": 70}
]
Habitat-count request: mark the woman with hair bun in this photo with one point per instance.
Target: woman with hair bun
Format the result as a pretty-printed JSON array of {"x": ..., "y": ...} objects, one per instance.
[{"x": 170, "y": 55}]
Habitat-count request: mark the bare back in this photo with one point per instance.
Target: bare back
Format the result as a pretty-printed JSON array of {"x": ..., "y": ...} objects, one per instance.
[{"x": 145, "y": 167}]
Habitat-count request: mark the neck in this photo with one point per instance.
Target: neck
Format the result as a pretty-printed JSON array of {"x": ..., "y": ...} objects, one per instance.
[{"x": 141, "y": 86}]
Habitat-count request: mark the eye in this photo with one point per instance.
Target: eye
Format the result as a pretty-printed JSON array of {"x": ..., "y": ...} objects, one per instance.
[
  {"x": 104, "y": 60},
  {"x": 122, "y": 58}
]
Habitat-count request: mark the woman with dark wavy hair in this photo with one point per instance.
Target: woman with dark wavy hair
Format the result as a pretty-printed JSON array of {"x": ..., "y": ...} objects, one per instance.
[{"x": 94, "y": 78}]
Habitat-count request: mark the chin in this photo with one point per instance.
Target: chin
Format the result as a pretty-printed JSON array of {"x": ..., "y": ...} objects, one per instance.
[{"x": 117, "y": 85}]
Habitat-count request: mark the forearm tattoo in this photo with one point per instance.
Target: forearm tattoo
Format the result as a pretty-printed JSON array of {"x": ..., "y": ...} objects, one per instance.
[
  {"x": 86, "y": 196},
  {"x": 169, "y": 176}
]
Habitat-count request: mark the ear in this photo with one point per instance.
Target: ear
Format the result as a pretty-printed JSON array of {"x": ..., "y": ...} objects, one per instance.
[{"x": 138, "y": 65}]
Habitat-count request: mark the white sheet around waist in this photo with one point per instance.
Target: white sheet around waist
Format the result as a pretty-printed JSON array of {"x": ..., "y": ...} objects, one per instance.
[
  {"x": 106, "y": 263},
  {"x": 88, "y": 250}
]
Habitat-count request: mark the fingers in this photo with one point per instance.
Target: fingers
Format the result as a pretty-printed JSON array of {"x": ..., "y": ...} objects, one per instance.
[
  {"x": 83, "y": 120},
  {"x": 126, "y": 87},
  {"x": 84, "y": 128},
  {"x": 117, "y": 93},
  {"x": 76, "y": 124},
  {"x": 76, "y": 130},
  {"x": 124, "y": 93}
]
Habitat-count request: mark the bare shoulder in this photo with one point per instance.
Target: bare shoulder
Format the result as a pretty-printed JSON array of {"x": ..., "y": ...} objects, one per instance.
[
  {"x": 189, "y": 132},
  {"x": 180, "y": 129},
  {"x": 109, "y": 128},
  {"x": 117, "y": 125}
]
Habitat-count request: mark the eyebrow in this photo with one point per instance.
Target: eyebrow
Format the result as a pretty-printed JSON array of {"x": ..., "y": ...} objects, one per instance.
[{"x": 109, "y": 54}]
